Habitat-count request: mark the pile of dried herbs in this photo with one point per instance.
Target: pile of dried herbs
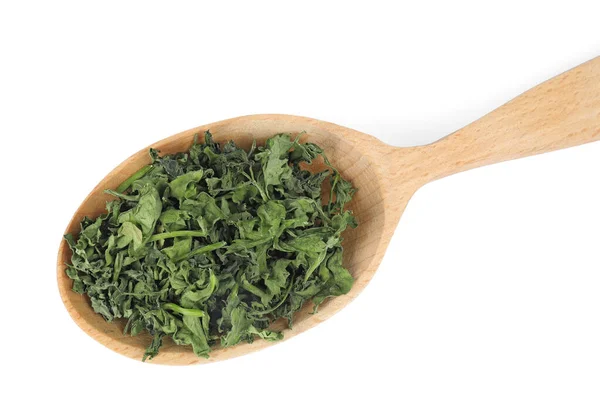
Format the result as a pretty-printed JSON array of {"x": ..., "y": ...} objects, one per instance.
[{"x": 214, "y": 244}]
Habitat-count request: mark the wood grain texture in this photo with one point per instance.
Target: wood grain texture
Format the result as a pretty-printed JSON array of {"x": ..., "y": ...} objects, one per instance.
[{"x": 562, "y": 112}]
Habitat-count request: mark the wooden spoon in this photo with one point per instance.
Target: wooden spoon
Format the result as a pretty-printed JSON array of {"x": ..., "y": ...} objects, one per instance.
[{"x": 560, "y": 113}]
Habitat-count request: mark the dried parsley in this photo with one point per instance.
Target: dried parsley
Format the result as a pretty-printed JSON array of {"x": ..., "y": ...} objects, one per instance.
[{"x": 212, "y": 245}]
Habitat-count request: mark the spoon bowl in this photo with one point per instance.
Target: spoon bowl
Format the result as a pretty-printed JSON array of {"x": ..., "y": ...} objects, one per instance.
[{"x": 562, "y": 112}]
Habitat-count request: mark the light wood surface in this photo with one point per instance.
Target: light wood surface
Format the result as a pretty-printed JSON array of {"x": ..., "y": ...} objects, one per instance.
[{"x": 560, "y": 113}]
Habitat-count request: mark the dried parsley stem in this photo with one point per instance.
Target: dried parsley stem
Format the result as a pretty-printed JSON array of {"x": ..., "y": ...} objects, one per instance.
[
  {"x": 204, "y": 249},
  {"x": 183, "y": 311},
  {"x": 136, "y": 176},
  {"x": 180, "y": 233},
  {"x": 285, "y": 295},
  {"x": 122, "y": 196}
]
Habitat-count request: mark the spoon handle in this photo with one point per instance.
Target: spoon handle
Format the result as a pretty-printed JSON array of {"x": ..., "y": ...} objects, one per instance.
[{"x": 559, "y": 113}]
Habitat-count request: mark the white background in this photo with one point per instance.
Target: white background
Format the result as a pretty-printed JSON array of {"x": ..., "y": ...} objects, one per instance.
[{"x": 488, "y": 298}]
